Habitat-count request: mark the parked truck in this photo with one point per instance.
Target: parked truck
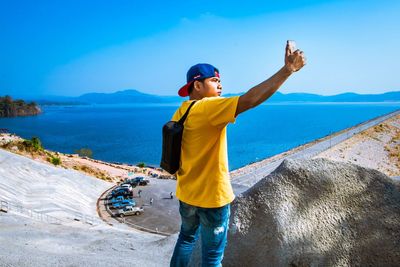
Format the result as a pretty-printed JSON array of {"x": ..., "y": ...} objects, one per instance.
[{"x": 129, "y": 210}]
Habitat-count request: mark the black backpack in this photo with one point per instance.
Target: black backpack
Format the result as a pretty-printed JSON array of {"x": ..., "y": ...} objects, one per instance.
[{"x": 171, "y": 144}]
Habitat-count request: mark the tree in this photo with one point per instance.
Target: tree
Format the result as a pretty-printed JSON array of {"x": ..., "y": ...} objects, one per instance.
[
  {"x": 10, "y": 108},
  {"x": 8, "y": 99},
  {"x": 19, "y": 103}
]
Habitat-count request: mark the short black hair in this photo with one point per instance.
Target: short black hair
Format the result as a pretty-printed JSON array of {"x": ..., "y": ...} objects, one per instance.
[{"x": 190, "y": 89}]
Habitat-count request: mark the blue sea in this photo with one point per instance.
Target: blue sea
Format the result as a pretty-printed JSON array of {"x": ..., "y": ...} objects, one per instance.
[{"x": 132, "y": 133}]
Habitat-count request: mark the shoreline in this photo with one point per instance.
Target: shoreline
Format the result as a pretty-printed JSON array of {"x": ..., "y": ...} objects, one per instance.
[
  {"x": 253, "y": 167},
  {"x": 103, "y": 170},
  {"x": 114, "y": 172}
]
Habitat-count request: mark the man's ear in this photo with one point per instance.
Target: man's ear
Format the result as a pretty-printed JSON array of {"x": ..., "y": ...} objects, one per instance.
[{"x": 196, "y": 85}]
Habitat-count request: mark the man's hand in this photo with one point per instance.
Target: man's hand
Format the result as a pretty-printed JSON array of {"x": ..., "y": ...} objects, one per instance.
[{"x": 294, "y": 59}]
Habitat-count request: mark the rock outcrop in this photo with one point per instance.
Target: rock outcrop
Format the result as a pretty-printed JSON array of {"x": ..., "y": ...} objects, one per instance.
[
  {"x": 316, "y": 213},
  {"x": 10, "y": 108}
]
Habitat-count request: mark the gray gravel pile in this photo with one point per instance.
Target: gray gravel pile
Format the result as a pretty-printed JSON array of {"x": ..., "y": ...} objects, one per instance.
[{"x": 317, "y": 213}]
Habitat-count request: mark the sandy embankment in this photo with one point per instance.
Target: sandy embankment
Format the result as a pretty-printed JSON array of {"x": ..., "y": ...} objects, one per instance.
[
  {"x": 377, "y": 147},
  {"x": 109, "y": 172}
]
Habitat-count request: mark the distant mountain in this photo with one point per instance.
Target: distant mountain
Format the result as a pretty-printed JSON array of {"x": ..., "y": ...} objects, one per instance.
[
  {"x": 120, "y": 97},
  {"x": 56, "y": 100},
  {"x": 296, "y": 97},
  {"x": 135, "y": 96},
  {"x": 345, "y": 97},
  {"x": 352, "y": 97}
]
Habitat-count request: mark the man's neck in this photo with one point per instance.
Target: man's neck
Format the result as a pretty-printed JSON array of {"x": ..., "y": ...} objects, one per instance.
[{"x": 195, "y": 97}]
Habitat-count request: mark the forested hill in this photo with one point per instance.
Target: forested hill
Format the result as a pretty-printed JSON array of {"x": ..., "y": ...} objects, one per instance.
[{"x": 14, "y": 108}]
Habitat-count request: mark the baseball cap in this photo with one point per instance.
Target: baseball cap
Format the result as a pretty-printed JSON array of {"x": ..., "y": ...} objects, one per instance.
[{"x": 197, "y": 72}]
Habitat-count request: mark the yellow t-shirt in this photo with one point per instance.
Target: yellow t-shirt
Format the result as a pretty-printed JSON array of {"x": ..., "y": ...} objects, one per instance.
[{"x": 203, "y": 176}]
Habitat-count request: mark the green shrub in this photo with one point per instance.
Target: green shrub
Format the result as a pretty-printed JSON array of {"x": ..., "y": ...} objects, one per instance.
[
  {"x": 141, "y": 165},
  {"x": 56, "y": 160},
  {"x": 84, "y": 152},
  {"x": 33, "y": 145},
  {"x": 36, "y": 143}
]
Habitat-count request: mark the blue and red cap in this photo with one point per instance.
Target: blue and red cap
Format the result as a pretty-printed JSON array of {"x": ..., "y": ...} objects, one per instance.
[{"x": 198, "y": 72}]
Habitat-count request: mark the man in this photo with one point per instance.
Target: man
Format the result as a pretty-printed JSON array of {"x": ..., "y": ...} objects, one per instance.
[{"x": 203, "y": 185}]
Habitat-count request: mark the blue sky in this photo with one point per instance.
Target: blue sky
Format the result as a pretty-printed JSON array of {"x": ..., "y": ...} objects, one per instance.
[{"x": 75, "y": 47}]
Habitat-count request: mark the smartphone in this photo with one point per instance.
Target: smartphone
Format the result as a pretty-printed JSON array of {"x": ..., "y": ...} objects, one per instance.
[{"x": 292, "y": 45}]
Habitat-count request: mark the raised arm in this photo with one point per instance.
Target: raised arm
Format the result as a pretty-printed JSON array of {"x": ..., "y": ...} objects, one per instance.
[{"x": 294, "y": 61}]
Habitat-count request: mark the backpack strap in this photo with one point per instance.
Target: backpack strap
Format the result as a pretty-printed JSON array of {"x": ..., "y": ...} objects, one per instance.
[{"x": 182, "y": 120}]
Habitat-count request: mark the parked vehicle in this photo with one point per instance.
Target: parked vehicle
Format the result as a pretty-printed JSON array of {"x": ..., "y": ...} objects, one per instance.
[
  {"x": 144, "y": 182},
  {"x": 130, "y": 182},
  {"x": 116, "y": 200},
  {"x": 123, "y": 203},
  {"x": 128, "y": 210},
  {"x": 138, "y": 181},
  {"x": 121, "y": 191},
  {"x": 126, "y": 185}
]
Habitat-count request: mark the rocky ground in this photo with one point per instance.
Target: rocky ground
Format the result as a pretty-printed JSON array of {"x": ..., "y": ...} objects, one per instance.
[{"x": 377, "y": 147}]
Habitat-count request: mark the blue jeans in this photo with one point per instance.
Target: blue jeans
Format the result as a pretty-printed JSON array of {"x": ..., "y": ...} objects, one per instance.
[{"x": 212, "y": 223}]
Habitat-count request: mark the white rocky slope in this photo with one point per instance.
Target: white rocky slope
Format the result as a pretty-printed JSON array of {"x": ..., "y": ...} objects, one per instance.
[
  {"x": 54, "y": 191},
  {"x": 26, "y": 241}
]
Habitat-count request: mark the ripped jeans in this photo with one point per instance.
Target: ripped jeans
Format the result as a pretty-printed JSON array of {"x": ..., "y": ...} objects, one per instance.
[{"x": 212, "y": 223}]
